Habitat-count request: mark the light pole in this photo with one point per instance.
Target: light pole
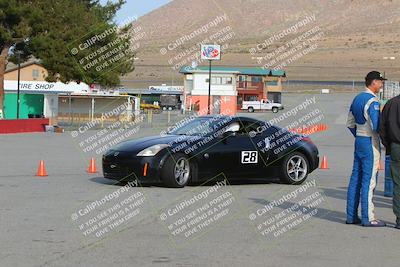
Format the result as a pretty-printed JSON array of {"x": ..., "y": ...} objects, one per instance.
[
  {"x": 210, "y": 53},
  {"x": 209, "y": 89},
  {"x": 19, "y": 79}
]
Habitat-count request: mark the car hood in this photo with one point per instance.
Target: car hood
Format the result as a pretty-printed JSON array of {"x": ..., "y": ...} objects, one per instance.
[{"x": 142, "y": 143}]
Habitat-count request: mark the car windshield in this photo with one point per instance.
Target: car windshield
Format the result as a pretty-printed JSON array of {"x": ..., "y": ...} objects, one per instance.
[{"x": 199, "y": 126}]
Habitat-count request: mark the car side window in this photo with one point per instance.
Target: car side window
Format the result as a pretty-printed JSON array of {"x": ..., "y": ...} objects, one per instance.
[{"x": 247, "y": 127}]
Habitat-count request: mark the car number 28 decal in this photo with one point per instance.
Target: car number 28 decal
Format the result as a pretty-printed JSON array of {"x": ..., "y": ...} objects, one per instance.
[{"x": 249, "y": 157}]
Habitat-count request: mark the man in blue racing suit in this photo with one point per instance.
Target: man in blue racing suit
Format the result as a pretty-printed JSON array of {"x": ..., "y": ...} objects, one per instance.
[{"x": 363, "y": 122}]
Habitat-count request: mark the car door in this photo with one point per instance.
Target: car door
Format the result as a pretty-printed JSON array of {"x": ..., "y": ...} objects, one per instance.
[
  {"x": 240, "y": 154},
  {"x": 260, "y": 142},
  {"x": 267, "y": 105},
  {"x": 264, "y": 104}
]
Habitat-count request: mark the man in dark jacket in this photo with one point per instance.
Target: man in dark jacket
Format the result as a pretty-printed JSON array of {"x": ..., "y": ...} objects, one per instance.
[{"x": 389, "y": 131}]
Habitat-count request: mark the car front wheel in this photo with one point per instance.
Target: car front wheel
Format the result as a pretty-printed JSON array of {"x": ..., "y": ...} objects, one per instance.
[
  {"x": 275, "y": 110},
  {"x": 295, "y": 168},
  {"x": 177, "y": 171}
]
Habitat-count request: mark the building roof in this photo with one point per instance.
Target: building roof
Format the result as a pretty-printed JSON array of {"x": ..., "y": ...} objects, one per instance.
[
  {"x": 147, "y": 92},
  {"x": 12, "y": 67},
  {"x": 237, "y": 70}
]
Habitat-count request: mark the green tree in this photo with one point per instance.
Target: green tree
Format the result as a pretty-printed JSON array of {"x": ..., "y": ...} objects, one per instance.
[
  {"x": 13, "y": 27},
  {"x": 49, "y": 30}
]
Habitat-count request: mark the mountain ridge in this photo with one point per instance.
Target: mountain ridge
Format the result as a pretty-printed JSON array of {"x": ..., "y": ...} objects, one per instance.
[{"x": 357, "y": 34}]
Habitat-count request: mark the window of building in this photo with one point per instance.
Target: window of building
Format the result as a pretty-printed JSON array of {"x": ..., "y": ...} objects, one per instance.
[
  {"x": 220, "y": 80},
  {"x": 35, "y": 74},
  {"x": 242, "y": 78},
  {"x": 251, "y": 98},
  {"x": 226, "y": 80},
  {"x": 240, "y": 100},
  {"x": 213, "y": 80},
  {"x": 216, "y": 80},
  {"x": 272, "y": 83},
  {"x": 256, "y": 79}
]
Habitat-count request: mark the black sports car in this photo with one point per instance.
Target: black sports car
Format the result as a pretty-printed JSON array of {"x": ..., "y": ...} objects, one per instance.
[{"x": 200, "y": 148}]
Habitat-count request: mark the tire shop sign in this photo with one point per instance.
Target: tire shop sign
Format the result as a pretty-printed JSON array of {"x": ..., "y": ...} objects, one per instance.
[{"x": 44, "y": 87}]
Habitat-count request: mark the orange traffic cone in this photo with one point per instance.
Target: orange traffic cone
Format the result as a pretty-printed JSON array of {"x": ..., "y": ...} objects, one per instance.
[
  {"x": 92, "y": 166},
  {"x": 324, "y": 163},
  {"x": 380, "y": 166},
  {"x": 42, "y": 170}
]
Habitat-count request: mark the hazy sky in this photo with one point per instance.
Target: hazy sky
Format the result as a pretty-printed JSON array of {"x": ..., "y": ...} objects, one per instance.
[{"x": 138, "y": 8}]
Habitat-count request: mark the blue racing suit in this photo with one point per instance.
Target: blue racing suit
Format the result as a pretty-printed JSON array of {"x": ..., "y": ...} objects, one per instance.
[{"x": 363, "y": 122}]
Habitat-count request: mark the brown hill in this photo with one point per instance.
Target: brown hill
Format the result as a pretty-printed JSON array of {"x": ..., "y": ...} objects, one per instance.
[{"x": 352, "y": 37}]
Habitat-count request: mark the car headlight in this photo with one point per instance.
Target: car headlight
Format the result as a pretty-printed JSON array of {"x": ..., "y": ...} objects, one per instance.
[{"x": 152, "y": 151}]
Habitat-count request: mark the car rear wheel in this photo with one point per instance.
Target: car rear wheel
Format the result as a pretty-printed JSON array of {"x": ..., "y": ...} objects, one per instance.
[
  {"x": 275, "y": 110},
  {"x": 250, "y": 109},
  {"x": 177, "y": 171},
  {"x": 295, "y": 168}
]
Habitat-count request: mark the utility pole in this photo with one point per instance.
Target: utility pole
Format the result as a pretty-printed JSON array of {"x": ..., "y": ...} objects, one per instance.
[
  {"x": 209, "y": 89},
  {"x": 19, "y": 81}
]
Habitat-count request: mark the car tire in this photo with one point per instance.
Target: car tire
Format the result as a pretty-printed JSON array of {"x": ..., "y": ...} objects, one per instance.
[
  {"x": 164, "y": 108},
  {"x": 275, "y": 110},
  {"x": 177, "y": 171},
  {"x": 294, "y": 169},
  {"x": 250, "y": 109}
]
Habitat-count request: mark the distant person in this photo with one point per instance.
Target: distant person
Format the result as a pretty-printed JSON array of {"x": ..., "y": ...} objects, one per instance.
[
  {"x": 363, "y": 122},
  {"x": 389, "y": 130}
]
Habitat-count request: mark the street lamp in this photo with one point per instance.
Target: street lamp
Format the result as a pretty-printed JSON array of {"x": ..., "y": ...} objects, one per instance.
[{"x": 18, "y": 53}]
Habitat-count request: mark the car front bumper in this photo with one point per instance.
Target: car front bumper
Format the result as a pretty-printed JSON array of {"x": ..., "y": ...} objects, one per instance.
[{"x": 124, "y": 167}]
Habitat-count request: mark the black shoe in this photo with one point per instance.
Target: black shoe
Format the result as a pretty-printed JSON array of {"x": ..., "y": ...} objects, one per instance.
[
  {"x": 374, "y": 223},
  {"x": 356, "y": 221}
]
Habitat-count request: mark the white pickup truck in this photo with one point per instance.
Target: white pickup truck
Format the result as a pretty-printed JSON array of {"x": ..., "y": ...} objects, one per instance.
[{"x": 264, "y": 104}]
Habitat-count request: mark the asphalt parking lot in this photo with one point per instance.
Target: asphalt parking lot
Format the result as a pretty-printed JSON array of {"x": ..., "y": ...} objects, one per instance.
[{"x": 37, "y": 228}]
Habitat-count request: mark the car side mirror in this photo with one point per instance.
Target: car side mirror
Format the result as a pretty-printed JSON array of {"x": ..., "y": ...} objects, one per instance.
[{"x": 229, "y": 134}]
